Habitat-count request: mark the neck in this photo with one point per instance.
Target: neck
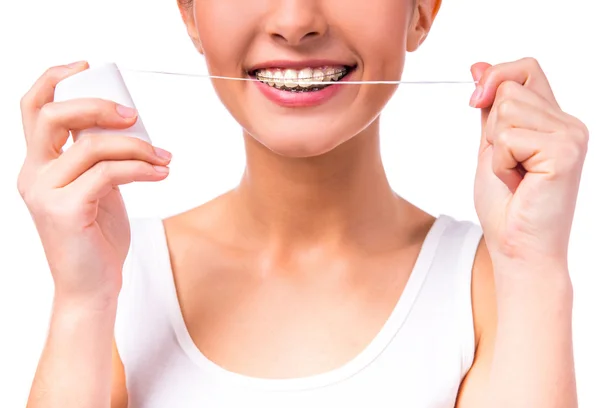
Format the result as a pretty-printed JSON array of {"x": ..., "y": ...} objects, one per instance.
[{"x": 339, "y": 196}]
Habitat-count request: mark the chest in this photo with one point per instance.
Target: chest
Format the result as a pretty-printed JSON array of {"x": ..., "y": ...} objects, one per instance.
[{"x": 284, "y": 325}]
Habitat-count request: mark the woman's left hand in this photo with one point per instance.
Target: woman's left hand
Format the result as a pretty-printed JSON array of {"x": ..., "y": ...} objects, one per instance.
[{"x": 530, "y": 162}]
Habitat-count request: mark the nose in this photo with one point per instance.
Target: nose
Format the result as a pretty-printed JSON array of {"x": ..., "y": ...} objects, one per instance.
[{"x": 296, "y": 22}]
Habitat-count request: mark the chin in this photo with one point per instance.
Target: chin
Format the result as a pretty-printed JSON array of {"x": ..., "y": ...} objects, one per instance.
[{"x": 296, "y": 144}]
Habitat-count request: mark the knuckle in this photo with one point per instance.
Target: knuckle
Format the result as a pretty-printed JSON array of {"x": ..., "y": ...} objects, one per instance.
[
  {"x": 503, "y": 138},
  {"x": 142, "y": 146},
  {"x": 48, "y": 113},
  {"x": 89, "y": 144},
  {"x": 133, "y": 147},
  {"x": 532, "y": 62},
  {"x": 50, "y": 77},
  {"x": 141, "y": 168},
  {"x": 583, "y": 134},
  {"x": 507, "y": 89},
  {"x": 99, "y": 106},
  {"x": 53, "y": 74},
  {"x": 569, "y": 157},
  {"x": 100, "y": 111},
  {"x": 505, "y": 108},
  {"x": 26, "y": 102},
  {"x": 571, "y": 152},
  {"x": 103, "y": 171}
]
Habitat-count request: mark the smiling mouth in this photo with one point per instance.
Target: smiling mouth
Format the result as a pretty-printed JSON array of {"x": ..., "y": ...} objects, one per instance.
[{"x": 303, "y": 80}]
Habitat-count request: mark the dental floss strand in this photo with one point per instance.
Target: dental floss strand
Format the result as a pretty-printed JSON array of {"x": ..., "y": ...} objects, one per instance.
[
  {"x": 207, "y": 76},
  {"x": 106, "y": 82}
]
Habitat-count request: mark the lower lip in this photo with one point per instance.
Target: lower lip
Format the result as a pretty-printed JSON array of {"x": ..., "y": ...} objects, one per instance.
[{"x": 300, "y": 99}]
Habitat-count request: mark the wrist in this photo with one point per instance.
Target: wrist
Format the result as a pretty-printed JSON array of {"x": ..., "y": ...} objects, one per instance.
[
  {"x": 75, "y": 323},
  {"x": 92, "y": 304},
  {"x": 539, "y": 284},
  {"x": 529, "y": 265}
]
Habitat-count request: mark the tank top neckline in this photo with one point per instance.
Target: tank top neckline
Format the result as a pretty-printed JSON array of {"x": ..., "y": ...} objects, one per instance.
[{"x": 358, "y": 363}]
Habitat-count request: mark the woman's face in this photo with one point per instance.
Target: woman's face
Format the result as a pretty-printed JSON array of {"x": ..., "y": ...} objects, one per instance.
[{"x": 283, "y": 42}]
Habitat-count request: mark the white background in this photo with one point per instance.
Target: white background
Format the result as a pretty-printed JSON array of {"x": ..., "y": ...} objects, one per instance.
[{"x": 430, "y": 134}]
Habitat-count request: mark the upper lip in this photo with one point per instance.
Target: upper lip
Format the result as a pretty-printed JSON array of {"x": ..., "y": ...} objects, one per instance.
[{"x": 313, "y": 63}]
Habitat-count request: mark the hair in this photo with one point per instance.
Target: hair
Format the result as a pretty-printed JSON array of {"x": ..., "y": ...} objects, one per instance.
[{"x": 186, "y": 3}]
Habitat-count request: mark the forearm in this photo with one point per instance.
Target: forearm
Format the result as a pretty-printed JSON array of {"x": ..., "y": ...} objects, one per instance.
[
  {"x": 75, "y": 367},
  {"x": 533, "y": 357}
]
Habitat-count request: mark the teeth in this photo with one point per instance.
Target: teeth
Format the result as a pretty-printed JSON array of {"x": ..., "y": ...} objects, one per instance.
[
  {"x": 290, "y": 78},
  {"x": 278, "y": 79},
  {"x": 269, "y": 76},
  {"x": 318, "y": 76},
  {"x": 297, "y": 81},
  {"x": 304, "y": 77},
  {"x": 330, "y": 74}
]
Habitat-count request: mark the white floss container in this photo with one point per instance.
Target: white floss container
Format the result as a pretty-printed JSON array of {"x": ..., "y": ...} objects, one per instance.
[{"x": 104, "y": 82}]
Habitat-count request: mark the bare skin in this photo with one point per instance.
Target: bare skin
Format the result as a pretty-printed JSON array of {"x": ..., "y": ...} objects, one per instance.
[
  {"x": 256, "y": 260},
  {"x": 284, "y": 287},
  {"x": 313, "y": 217}
]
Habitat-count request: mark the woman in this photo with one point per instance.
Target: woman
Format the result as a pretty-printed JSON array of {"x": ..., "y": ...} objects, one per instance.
[{"x": 312, "y": 282}]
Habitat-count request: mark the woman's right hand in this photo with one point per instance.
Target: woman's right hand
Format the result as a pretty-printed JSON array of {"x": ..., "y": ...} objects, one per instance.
[{"x": 73, "y": 197}]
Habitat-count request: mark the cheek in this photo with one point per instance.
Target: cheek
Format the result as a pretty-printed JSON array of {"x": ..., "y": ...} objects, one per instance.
[
  {"x": 225, "y": 36},
  {"x": 378, "y": 34}
]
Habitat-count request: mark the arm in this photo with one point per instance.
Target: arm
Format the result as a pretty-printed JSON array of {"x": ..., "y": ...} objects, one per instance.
[
  {"x": 524, "y": 354},
  {"x": 119, "y": 397},
  {"x": 81, "y": 219},
  {"x": 530, "y": 162},
  {"x": 75, "y": 367},
  {"x": 80, "y": 364}
]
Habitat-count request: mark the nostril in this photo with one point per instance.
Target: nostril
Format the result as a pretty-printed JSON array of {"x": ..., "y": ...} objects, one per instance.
[{"x": 296, "y": 39}]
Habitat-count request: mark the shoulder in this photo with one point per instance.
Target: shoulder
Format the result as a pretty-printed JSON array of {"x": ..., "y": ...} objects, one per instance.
[{"x": 201, "y": 229}]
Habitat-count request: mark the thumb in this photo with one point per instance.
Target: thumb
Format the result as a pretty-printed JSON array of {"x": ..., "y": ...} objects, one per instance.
[{"x": 477, "y": 71}]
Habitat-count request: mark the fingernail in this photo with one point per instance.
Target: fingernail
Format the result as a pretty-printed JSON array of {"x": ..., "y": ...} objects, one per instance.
[
  {"x": 163, "y": 154},
  {"x": 161, "y": 169},
  {"x": 75, "y": 64},
  {"x": 476, "y": 96},
  {"x": 126, "y": 112}
]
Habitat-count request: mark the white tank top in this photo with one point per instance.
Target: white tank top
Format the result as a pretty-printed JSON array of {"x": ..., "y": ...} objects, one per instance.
[{"x": 417, "y": 360}]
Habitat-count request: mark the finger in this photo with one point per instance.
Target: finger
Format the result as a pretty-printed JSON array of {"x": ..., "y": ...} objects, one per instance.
[
  {"x": 477, "y": 71},
  {"x": 57, "y": 119},
  {"x": 97, "y": 182},
  {"x": 513, "y": 113},
  {"x": 92, "y": 149},
  {"x": 515, "y": 152},
  {"x": 526, "y": 71},
  {"x": 511, "y": 90},
  {"x": 42, "y": 92},
  {"x": 518, "y": 114}
]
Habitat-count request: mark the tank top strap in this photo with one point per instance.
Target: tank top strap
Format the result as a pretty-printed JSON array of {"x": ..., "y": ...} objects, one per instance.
[
  {"x": 143, "y": 323},
  {"x": 435, "y": 304},
  {"x": 450, "y": 278}
]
